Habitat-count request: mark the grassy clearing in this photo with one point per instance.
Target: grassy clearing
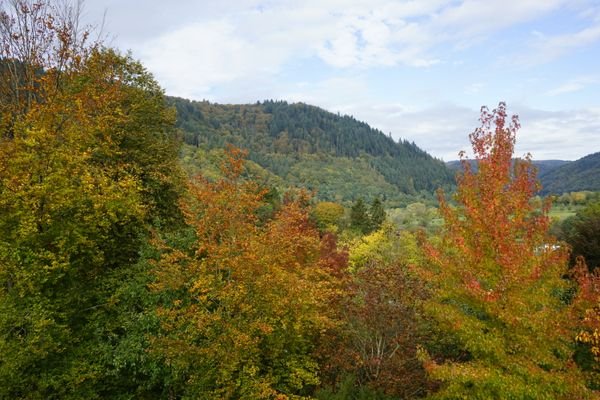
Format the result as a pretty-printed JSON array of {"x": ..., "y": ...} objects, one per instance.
[{"x": 561, "y": 213}]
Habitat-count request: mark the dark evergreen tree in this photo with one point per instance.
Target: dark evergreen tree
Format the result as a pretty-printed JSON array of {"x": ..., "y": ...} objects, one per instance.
[
  {"x": 377, "y": 214},
  {"x": 359, "y": 218}
]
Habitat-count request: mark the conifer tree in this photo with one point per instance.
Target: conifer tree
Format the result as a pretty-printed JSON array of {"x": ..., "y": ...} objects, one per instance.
[
  {"x": 377, "y": 214},
  {"x": 359, "y": 218}
]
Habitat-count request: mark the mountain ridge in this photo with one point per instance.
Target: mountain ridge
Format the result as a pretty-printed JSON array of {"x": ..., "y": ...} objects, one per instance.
[
  {"x": 560, "y": 176},
  {"x": 310, "y": 147},
  {"x": 579, "y": 175},
  {"x": 543, "y": 166}
]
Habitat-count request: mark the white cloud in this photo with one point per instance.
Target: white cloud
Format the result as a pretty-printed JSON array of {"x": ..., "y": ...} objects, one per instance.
[
  {"x": 191, "y": 60},
  {"x": 341, "y": 50},
  {"x": 559, "y": 134},
  {"x": 228, "y": 43},
  {"x": 574, "y": 85},
  {"x": 473, "y": 18},
  {"x": 545, "y": 48},
  {"x": 474, "y": 88}
]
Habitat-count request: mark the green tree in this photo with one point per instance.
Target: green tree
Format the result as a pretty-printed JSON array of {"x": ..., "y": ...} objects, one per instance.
[
  {"x": 497, "y": 282},
  {"x": 359, "y": 217},
  {"x": 582, "y": 232},
  {"x": 87, "y": 160},
  {"x": 328, "y": 215},
  {"x": 377, "y": 213}
]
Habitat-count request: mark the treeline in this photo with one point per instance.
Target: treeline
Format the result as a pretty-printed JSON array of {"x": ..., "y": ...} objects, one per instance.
[
  {"x": 122, "y": 278},
  {"x": 575, "y": 199},
  {"x": 287, "y": 139},
  {"x": 558, "y": 176},
  {"x": 542, "y": 166},
  {"x": 582, "y": 230}
]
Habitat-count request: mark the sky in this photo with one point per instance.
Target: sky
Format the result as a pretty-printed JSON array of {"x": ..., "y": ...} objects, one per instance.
[{"x": 417, "y": 69}]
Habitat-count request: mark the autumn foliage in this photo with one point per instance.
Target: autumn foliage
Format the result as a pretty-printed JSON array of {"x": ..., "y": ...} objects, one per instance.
[
  {"x": 498, "y": 281},
  {"x": 121, "y": 278},
  {"x": 87, "y": 160},
  {"x": 248, "y": 304}
]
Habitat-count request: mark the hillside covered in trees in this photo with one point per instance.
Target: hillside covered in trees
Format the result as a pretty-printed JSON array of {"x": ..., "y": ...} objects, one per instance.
[
  {"x": 582, "y": 174},
  {"x": 542, "y": 166},
  {"x": 305, "y": 146},
  {"x": 559, "y": 176}
]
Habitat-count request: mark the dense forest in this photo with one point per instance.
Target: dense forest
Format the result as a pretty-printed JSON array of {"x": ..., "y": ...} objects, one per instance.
[
  {"x": 305, "y": 146},
  {"x": 559, "y": 176},
  {"x": 543, "y": 166},
  {"x": 122, "y": 276},
  {"x": 582, "y": 174}
]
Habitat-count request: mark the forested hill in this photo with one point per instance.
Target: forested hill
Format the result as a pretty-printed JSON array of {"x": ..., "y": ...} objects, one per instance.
[
  {"x": 340, "y": 157},
  {"x": 559, "y": 176},
  {"x": 543, "y": 166},
  {"x": 583, "y": 174}
]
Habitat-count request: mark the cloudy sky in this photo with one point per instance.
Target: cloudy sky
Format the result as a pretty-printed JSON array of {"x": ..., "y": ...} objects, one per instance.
[{"x": 418, "y": 69}]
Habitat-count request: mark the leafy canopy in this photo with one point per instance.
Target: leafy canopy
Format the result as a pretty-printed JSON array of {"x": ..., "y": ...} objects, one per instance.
[{"x": 497, "y": 281}]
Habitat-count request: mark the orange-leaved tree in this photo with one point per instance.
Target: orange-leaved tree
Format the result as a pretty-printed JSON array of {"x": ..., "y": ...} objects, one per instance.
[
  {"x": 497, "y": 281},
  {"x": 246, "y": 306},
  {"x": 586, "y": 306}
]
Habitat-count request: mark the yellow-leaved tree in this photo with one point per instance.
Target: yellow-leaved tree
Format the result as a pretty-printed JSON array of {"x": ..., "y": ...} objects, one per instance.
[{"x": 87, "y": 160}]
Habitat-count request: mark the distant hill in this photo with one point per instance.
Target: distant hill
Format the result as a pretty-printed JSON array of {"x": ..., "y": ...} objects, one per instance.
[
  {"x": 306, "y": 146},
  {"x": 543, "y": 166},
  {"x": 583, "y": 174}
]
